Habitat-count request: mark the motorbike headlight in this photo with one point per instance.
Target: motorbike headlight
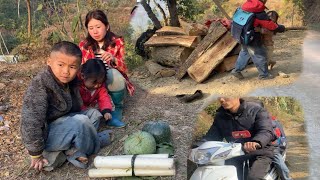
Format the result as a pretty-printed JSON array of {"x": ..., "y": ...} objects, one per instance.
[
  {"x": 202, "y": 156},
  {"x": 222, "y": 155}
]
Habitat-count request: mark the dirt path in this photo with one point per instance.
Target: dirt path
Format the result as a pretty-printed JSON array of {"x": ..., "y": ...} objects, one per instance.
[
  {"x": 154, "y": 99},
  {"x": 288, "y": 55},
  {"x": 298, "y": 153}
]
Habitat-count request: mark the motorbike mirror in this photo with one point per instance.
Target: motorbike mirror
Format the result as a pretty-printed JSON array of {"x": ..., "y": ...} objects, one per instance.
[{"x": 241, "y": 134}]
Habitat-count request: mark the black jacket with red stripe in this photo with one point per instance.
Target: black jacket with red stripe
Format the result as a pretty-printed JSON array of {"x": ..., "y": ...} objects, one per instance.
[{"x": 250, "y": 116}]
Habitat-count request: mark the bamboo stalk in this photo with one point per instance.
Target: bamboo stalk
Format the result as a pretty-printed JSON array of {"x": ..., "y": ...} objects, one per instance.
[
  {"x": 4, "y": 43},
  {"x": 221, "y": 9},
  {"x": 296, "y": 28}
]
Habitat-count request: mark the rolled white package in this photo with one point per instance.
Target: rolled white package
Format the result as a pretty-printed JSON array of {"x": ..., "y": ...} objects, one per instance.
[
  {"x": 106, "y": 172},
  {"x": 139, "y": 162}
]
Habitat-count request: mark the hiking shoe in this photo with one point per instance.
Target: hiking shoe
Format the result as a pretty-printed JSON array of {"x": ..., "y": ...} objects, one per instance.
[
  {"x": 105, "y": 138},
  {"x": 187, "y": 98},
  {"x": 270, "y": 76},
  {"x": 237, "y": 74}
]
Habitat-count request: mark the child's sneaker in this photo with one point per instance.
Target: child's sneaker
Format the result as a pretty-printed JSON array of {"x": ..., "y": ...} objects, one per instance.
[
  {"x": 237, "y": 74},
  {"x": 271, "y": 64},
  {"x": 269, "y": 76}
]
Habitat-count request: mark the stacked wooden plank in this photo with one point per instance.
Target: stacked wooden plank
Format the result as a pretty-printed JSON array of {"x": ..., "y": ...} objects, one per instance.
[
  {"x": 209, "y": 54},
  {"x": 175, "y": 47},
  {"x": 171, "y": 46}
]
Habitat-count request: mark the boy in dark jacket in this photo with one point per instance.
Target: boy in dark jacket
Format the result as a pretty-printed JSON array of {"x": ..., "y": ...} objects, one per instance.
[
  {"x": 255, "y": 49},
  {"x": 238, "y": 115},
  {"x": 52, "y": 125},
  {"x": 267, "y": 39}
]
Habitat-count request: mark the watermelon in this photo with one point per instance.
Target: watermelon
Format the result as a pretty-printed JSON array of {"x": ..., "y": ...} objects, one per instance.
[
  {"x": 165, "y": 148},
  {"x": 160, "y": 130},
  {"x": 140, "y": 143}
]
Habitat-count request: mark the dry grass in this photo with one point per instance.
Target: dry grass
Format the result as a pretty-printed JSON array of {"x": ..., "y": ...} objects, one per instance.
[{"x": 289, "y": 14}]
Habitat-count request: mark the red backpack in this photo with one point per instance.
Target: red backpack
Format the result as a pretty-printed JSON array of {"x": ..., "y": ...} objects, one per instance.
[{"x": 281, "y": 140}]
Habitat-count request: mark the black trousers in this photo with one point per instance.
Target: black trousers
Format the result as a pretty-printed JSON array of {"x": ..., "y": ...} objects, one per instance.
[{"x": 251, "y": 167}]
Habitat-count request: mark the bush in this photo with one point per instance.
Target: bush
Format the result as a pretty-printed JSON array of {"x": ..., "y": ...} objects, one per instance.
[
  {"x": 132, "y": 59},
  {"x": 11, "y": 42}
]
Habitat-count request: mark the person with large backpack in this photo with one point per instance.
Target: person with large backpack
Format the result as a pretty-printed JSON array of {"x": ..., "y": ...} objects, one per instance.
[{"x": 251, "y": 15}]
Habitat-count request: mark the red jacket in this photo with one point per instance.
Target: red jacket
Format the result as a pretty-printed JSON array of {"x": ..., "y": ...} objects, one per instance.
[
  {"x": 100, "y": 97},
  {"x": 118, "y": 52},
  {"x": 256, "y": 6}
]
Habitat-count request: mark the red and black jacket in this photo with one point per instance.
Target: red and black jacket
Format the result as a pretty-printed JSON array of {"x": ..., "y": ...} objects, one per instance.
[{"x": 261, "y": 18}]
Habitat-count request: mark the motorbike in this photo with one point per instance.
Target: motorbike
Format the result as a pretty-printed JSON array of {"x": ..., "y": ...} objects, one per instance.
[{"x": 210, "y": 158}]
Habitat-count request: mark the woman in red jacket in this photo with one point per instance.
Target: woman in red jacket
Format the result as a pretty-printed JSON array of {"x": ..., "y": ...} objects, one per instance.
[{"x": 103, "y": 44}]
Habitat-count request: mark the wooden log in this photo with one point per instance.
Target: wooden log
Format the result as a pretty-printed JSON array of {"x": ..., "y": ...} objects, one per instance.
[
  {"x": 296, "y": 28},
  {"x": 201, "y": 69},
  {"x": 175, "y": 40},
  {"x": 235, "y": 51},
  {"x": 215, "y": 32},
  {"x": 227, "y": 64},
  {"x": 159, "y": 71},
  {"x": 172, "y": 56},
  {"x": 193, "y": 29},
  {"x": 170, "y": 30}
]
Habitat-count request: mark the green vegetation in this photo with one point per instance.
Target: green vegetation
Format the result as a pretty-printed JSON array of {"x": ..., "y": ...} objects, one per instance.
[
  {"x": 57, "y": 20},
  {"x": 191, "y": 9}
]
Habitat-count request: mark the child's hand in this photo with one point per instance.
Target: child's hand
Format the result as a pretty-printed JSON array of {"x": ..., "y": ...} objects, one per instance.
[
  {"x": 107, "y": 116},
  {"x": 257, "y": 29},
  {"x": 38, "y": 163},
  {"x": 265, "y": 31}
]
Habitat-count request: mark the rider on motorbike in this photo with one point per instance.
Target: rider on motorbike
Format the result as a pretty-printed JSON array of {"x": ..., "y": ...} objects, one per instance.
[{"x": 236, "y": 114}]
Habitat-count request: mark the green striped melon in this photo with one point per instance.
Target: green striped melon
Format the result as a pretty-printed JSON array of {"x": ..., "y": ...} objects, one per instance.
[
  {"x": 160, "y": 130},
  {"x": 140, "y": 143}
]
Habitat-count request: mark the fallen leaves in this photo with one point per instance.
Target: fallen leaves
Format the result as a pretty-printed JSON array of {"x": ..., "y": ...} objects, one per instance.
[{"x": 12, "y": 152}]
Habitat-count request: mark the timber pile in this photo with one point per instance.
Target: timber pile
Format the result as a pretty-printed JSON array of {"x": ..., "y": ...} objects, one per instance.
[
  {"x": 193, "y": 29},
  {"x": 210, "y": 54},
  {"x": 182, "y": 49},
  {"x": 171, "y": 46}
]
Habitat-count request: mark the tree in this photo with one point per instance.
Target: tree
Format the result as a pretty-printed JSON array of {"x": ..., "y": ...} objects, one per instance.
[
  {"x": 29, "y": 18},
  {"x": 189, "y": 9},
  {"x": 151, "y": 15},
  {"x": 172, "y": 6},
  {"x": 162, "y": 12}
]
